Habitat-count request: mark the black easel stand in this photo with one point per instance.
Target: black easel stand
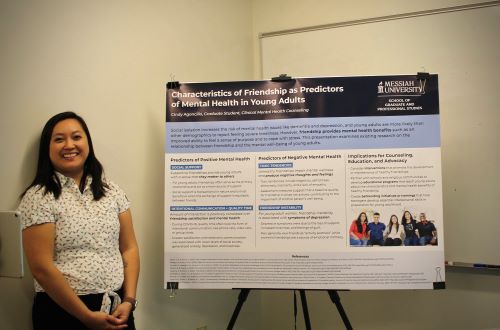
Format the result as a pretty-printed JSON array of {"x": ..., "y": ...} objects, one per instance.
[
  {"x": 305, "y": 310},
  {"x": 334, "y": 296},
  {"x": 241, "y": 299}
]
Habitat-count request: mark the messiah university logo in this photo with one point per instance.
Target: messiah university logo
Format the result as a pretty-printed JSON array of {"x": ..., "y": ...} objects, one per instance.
[{"x": 402, "y": 87}]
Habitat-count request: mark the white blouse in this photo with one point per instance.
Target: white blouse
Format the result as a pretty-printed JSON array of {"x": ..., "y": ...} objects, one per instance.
[
  {"x": 394, "y": 233},
  {"x": 86, "y": 247}
]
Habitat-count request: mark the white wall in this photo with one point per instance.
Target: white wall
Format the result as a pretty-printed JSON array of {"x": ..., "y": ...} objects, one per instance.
[
  {"x": 109, "y": 61},
  {"x": 472, "y": 297},
  {"x": 277, "y": 15}
]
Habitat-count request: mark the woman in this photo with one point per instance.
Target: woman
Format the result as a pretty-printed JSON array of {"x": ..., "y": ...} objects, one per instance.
[
  {"x": 394, "y": 232},
  {"x": 78, "y": 235},
  {"x": 409, "y": 225},
  {"x": 358, "y": 234}
]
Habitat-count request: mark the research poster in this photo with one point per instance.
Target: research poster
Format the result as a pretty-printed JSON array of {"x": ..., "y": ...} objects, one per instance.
[{"x": 306, "y": 183}]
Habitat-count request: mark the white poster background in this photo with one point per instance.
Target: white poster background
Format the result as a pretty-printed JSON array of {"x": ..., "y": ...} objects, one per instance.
[{"x": 280, "y": 219}]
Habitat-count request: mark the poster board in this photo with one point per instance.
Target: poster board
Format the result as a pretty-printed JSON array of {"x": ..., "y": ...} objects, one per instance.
[
  {"x": 264, "y": 181},
  {"x": 462, "y": 47}
]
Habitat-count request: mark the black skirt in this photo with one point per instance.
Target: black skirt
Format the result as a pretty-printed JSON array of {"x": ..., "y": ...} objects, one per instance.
[{"x": 48, "y": 315}]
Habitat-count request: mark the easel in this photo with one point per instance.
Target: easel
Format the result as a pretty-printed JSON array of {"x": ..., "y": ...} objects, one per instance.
[{"x": 333, "y": 294}]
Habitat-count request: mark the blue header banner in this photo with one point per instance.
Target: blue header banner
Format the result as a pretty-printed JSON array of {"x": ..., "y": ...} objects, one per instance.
[{"x": 402, "y": 95}]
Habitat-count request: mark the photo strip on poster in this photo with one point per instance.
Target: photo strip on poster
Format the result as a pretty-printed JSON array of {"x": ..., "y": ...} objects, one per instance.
[{"x": 306, "y": 183}]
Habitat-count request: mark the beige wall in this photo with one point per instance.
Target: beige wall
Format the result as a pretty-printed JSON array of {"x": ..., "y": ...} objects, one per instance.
[{"x": 109, "y": 61}]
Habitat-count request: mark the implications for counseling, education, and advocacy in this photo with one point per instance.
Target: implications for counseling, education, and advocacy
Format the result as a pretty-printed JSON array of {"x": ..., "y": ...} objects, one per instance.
[{"x": 265, "y": 182}]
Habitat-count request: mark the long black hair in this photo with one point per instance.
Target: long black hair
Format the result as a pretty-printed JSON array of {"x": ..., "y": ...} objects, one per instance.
[
  {"x": 391, "y": 223},
  {"x": 403, "y": 218},
  {"x": 360, "y": 222},
  {"x": 45, "y": 175}
]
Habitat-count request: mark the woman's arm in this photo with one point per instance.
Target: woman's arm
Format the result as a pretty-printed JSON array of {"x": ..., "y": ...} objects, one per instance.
[
  {"x": 131, "y": 264},
  {"x": 353, "y": 229},
  {"x": 386, "y": 232},
  {"x": 38, "y": 243},
  {"x": 401, "y": 232}
]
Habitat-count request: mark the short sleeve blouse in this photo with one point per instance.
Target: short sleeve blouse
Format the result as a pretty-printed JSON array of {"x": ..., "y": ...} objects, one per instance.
[{"x": 86, "y": 247}]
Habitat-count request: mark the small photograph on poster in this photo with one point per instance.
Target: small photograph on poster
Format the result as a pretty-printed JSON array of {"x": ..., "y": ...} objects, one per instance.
[{"x": 370, "y": 228}]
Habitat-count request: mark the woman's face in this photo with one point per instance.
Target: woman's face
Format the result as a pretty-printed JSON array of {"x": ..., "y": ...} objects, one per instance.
[
  {"x": 394, "y": 219},
  {"x": 69, "y": 148},
  {"x": 407, "y": 215},
  {"x": 363, "y": 217}
]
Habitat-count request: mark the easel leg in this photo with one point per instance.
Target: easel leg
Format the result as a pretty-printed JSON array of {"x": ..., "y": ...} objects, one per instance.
[
  {"x": 334, "y": 296},
  {"x": 305, "y": 310},
  {"x": 241, "y": 299}
]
